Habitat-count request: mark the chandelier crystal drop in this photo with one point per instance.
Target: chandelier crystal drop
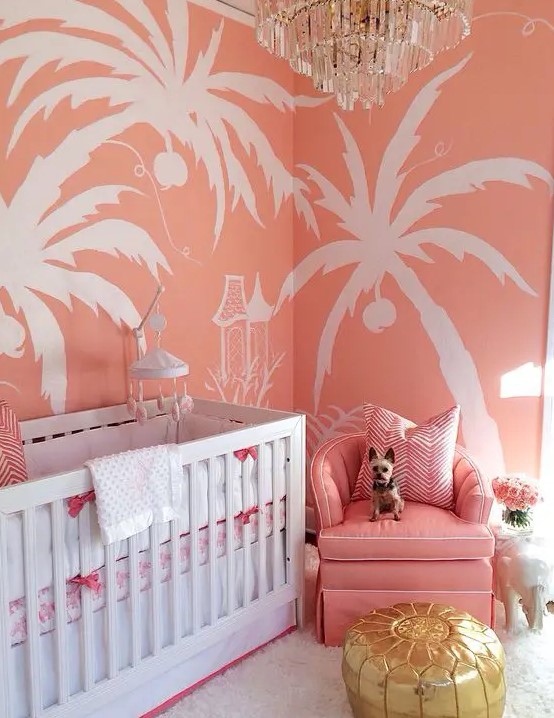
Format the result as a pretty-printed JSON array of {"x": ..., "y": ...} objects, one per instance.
[{"x": 360, "y": 50}]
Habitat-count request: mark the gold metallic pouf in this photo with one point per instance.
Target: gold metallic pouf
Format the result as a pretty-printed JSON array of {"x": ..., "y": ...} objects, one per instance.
[{"x": 423, "y": 660}]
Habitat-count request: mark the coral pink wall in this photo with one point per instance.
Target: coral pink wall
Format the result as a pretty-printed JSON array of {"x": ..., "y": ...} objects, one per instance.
[
  {"x": 154, "y": 142},
  {"x": 418, "y": 309}
]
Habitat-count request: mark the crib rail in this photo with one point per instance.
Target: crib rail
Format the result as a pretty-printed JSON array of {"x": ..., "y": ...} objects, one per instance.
[
  {"x": 253, "y": 568},
  {"x": 71, "y": 483},
  {"x": 50, "y": 427}
]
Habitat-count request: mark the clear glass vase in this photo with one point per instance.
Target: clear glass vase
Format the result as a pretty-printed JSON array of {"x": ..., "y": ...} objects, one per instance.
[{"x": 517, "y": 521}]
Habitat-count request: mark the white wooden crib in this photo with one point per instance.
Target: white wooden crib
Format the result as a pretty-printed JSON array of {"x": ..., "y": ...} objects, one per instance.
[{"x": 116, "y": 631}]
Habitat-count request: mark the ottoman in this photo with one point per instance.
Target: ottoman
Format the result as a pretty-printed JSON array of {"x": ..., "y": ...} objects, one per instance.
[{"x": 423, "y": 660}]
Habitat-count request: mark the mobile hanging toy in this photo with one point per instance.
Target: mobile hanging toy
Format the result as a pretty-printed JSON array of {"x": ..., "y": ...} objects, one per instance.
[{"x": 156, "y": 365}]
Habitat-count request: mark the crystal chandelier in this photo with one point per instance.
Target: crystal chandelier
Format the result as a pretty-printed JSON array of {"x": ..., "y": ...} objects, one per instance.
[{"x": 360, "y": 49}]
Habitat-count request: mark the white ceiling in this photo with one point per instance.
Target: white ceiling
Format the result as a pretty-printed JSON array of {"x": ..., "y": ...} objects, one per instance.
[{"x": 246, "y": 6}]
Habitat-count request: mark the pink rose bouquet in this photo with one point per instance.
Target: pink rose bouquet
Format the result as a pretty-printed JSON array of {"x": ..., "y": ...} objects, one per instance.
[{"x": 518, "y": 494}]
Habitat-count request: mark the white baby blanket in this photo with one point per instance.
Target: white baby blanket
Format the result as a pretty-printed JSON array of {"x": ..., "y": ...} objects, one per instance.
[{"x": 136, "y": 488}]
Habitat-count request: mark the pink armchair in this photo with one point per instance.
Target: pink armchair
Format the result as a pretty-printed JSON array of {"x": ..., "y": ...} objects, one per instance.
[{"x": 430, "y": 555}]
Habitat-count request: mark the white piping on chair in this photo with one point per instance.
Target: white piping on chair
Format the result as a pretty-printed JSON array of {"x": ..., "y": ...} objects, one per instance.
[
  {"x": 328, "y": 446},
  {"x": 477, "y": 471},
  {"x": 409, "y": 538},
  {"x": 395, "y": 590},
  {"x": 378, "y": 559},
  {"x": 314, "y": 492}
]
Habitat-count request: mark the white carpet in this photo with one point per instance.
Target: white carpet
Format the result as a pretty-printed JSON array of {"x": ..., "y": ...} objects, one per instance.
[{"x": 296, "y": 677}]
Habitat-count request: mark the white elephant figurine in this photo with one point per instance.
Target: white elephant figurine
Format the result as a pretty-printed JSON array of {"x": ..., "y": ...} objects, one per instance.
[{"x": 525, "y": 570}]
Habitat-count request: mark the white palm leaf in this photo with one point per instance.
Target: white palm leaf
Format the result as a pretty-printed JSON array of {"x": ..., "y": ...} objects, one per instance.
[
  {"x": 32, "y": 66},
  {"x": 336, "y": 422},
  {"x": 211, "y": 106},
  {"x": 304, "y": 206},
  {"x": 48, "y": 346},
  {"x": 118, "y": 90},
  {"x": 205, "y": 61},
  {"x": 115, "y": 237},
  {"x": 81, "y": 16},
  {"x": 360, "y": 206},
  {"x": 254, "y": 87},
  {"x": 42, "y": 47},
  {"x": 459, "y": 243},
  {"x": 261, "y": 89},
  {"x": 466, "y": 179},
  {"x": 332, "y": 198},
  {"x": 140, "y": 11},
  {"x": 480, "y": 431},
  {"x": 331, "y": 256},
  {"x": 390, "y": 176},
  {"x": 90, "y": 289},
  {"x": 178, "y": 17},
  {"x": 78, "y": 209},
  {"x": 203, "y": 143},
  {"x": 41, "y": 188},
  {"x": 331, "y": 425},
  {"x": 236, "y": 176},
  {"x": 360, "y": 280},
  {"x": 252, "y": 138}
]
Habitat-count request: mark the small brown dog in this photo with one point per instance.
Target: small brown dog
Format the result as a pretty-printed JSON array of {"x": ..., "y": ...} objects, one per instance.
[{"x": 386, "y": 495}]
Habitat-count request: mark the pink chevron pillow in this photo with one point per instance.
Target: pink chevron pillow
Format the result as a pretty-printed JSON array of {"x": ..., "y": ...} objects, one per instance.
[
  {"x": 12, "y": 459},
  {"x": 424, "y": 455}
]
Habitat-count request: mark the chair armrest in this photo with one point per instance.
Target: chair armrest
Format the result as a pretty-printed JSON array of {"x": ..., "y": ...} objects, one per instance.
[
  {"x": 334, "y": 471},
  {"x": 472, "y": 489}
]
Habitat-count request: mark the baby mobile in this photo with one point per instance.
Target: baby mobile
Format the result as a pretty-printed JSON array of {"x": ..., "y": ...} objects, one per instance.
[{"x": 156, "y": 365}]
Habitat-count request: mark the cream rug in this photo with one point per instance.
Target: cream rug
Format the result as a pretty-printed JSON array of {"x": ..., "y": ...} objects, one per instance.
[{"x": 296, "y": 677}]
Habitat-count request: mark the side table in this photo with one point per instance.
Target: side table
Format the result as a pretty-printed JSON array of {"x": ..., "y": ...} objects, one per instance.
[{"x": 524, "y": 569}]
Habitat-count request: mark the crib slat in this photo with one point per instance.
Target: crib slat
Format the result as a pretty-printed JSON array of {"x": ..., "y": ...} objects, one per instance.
[
  {"x": 246, "y": 548},
  {"x": 262, "y": 497},
  {"x": 193, "y": 522},
  {"x": 212, "y": 531},
  {"x": 60, "y": 598},
  {"x": 229, "y": 534},
  {"x": 111, "y": 607},
  {"x": 31, "y": 603},
  {"x": 291, "y": 551},
  {"x": 156, "y": 578},
  {"x": 86, "y": 598},
  {"x": 175, "y": 581},
  {"x": 4, "y": 618},
  {"x": 276, "y": 506},
  {"x": 134, "y": 597}
]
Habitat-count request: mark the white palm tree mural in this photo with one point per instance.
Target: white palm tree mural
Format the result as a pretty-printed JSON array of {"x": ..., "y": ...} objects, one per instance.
[
  {"x": 375, "y": 241},
  {"x": 336, "y": 422},
  {"x": 40, "y": 239},
  {"x": 149, "y": 81}
]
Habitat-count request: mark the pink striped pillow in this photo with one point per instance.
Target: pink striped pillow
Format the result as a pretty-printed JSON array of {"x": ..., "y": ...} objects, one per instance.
[
  {"x": 12, "y": 459},
  {"x": 424, "y": 455}
]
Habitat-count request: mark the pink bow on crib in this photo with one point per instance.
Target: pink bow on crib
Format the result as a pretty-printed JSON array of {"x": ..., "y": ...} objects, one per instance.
[
  {"x": 243, "y": 454},
  {"x": 76, "y": 503},
  {"x": 245, "y": 515},
  {"x": 91, "y": 581}
]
